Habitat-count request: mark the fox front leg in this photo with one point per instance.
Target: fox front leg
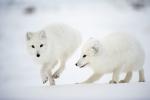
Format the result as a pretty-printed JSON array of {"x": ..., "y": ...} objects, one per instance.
[
  {"x": 44, "y": 74},
  {"x": 93, "y": 78},
  {"x": 49, "y": 71},
  {"x": 50, "y": 78}
]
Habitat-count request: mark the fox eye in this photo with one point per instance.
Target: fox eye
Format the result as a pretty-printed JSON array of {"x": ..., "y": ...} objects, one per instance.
[
  {"x": 32, "y": 46},
  {"x": 41, "y": 45},
  {"x": 84, "y": 56}
]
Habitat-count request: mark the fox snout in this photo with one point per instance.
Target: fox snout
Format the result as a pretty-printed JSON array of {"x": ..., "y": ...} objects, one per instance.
[
  {"x": 76, "y": 64},
  {"x": 37, "y": 55},
  {"x": 81, "y": 64}
]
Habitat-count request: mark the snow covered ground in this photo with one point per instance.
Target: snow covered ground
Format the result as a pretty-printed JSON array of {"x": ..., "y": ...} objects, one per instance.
[
  {"x": 19, "y": 74},
  {"x": 136, "y": 91}
]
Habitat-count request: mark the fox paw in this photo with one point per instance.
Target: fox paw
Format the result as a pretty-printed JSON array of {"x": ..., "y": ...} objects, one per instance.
[
  {"x": 122, "y": 81},
  {"x": 141, "y": 80},
  {"x": 45, "y": 80},
  {"x": 56, "y": 75},
  {"x": 52, "y": 83},
  {"x": 112, "y": 82}
]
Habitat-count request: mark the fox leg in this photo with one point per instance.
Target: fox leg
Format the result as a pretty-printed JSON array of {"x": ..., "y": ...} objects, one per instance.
[
  {"x": 127, "y": 78},
  {"x": 44, "y": 74},
  {"x": 61, "y": 68},
  {"x": 115, "y": 77},
  {"x": 49, "y": 71},
  {"x": 141, "y": 75},
  {"x": 93, "y": 78},
  {"x": 50, "y": 78}
]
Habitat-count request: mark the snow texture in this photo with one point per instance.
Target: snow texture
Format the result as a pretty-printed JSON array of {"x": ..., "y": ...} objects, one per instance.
[{"x": 19, "y": 74}]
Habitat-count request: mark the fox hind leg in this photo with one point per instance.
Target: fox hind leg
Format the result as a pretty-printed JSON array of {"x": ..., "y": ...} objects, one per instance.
[
  {"x": 61, "y": 68},
  {"x": 141, "y": 75},
  {"x": 50, "y": 78},
  {"x": 127, "y": 78}
]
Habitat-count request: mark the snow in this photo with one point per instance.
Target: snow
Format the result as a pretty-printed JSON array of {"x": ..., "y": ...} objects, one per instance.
[
  {"x": 132, "y": 91},
  {"x": 19, "y": 74}
]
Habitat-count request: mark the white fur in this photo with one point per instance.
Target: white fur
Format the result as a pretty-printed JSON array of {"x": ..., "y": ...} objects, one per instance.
[
  {"x": 59, "y": 42},
  {"x": 115, "y": 53}
]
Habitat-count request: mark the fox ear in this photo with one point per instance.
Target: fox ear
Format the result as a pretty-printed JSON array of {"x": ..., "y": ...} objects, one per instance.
[
  {"x": 42, "y": 35},
  {"x": 96, "y": 47},
  {"x": 29, "y": 35}
]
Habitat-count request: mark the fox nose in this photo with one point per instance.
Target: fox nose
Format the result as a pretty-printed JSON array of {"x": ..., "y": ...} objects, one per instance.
[
  {"x": 76, "y": 64},
  {"x": 38, "y": 55}
]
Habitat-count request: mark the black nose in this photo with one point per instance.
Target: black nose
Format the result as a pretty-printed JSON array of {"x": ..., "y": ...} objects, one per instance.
[
  {"x": 76, "y": 64},
  {"x": 38, "y": 55}
]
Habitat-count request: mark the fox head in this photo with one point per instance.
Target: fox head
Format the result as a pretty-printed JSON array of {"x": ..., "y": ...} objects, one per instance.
[
  {"x": 90, "y": 50},
  {"x": 36, "y": 43}
]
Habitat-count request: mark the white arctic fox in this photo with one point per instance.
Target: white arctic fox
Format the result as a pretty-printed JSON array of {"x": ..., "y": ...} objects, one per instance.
[
  {"x": 115, "y": 53},
  {"x": 51, "y": 46}
]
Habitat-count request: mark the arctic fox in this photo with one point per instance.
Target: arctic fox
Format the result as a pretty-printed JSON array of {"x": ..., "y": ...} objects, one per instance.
[
  {"x": 52, "y": 45},
  {"x": 115, "y": 53}
]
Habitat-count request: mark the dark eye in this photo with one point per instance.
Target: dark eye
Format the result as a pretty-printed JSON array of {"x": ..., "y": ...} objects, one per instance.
[
  {"x": 84, "y": 56},
  {"x": 32, "y": 46},
  {"x": 41, "y": 45}
]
